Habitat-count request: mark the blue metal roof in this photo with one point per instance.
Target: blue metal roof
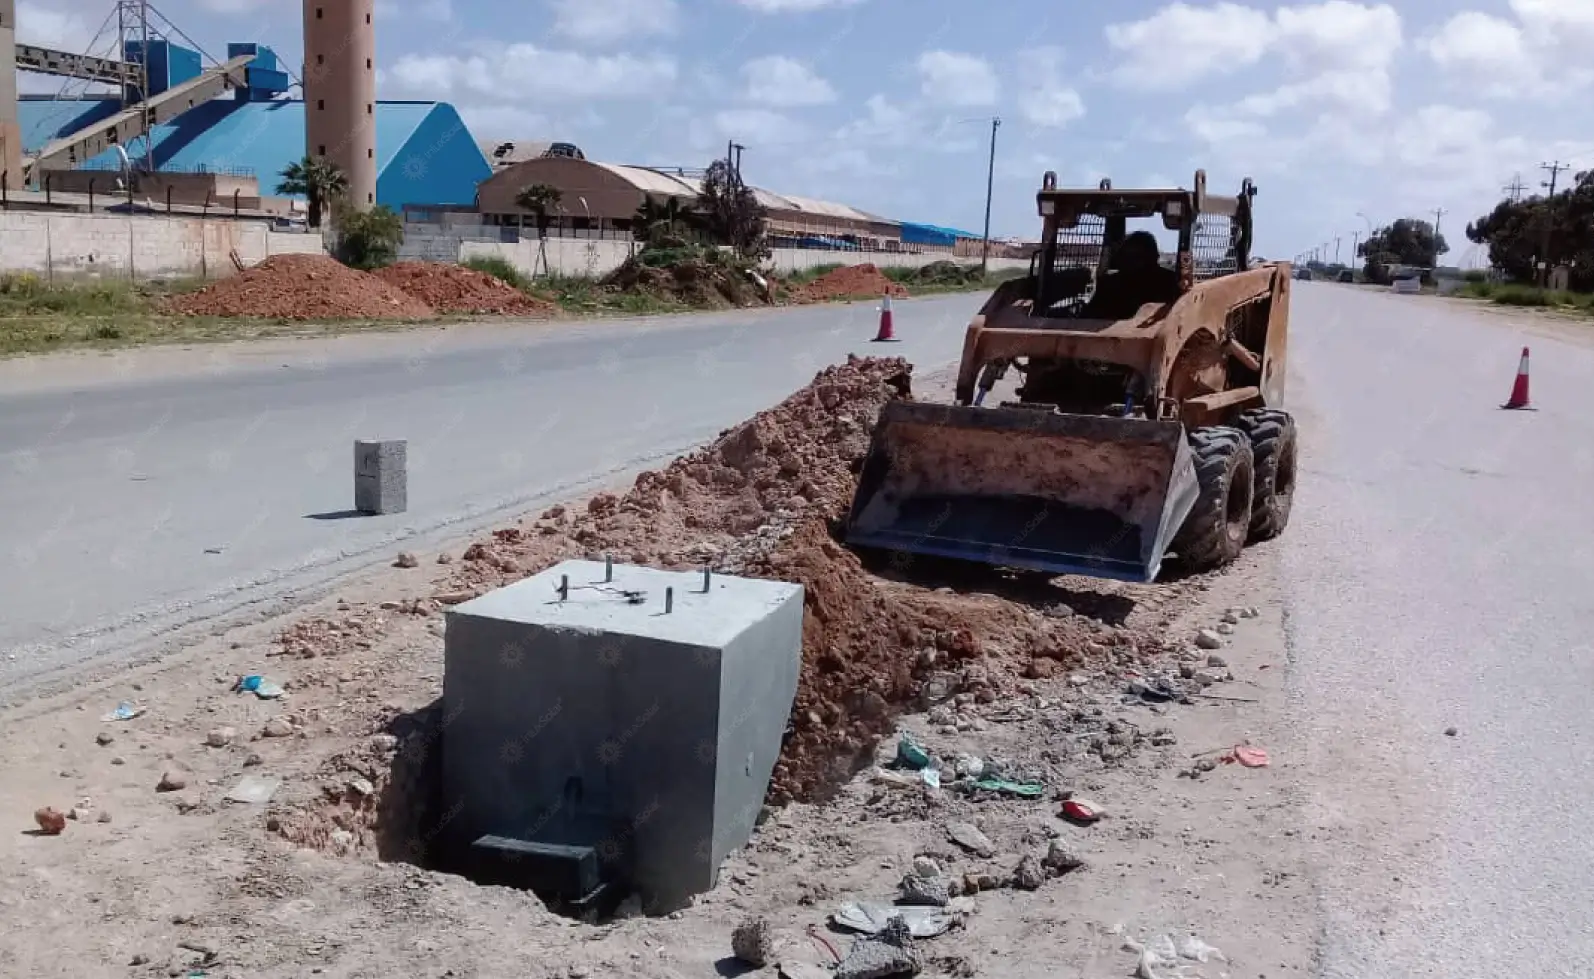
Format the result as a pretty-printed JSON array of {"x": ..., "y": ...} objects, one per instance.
[{"x": 425, "y": 155}]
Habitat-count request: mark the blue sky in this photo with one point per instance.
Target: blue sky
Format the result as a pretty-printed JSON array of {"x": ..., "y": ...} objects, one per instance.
[{"x": 1334, "y": 108}]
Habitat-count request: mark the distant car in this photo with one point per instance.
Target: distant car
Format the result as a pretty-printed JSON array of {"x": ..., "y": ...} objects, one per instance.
[
  {"x": 1347, "y": 276},
  {"x": 1304, "y": 274}
]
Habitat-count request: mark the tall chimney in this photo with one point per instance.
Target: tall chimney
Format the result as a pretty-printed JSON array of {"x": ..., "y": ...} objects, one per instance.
[
  {"x": 340, "y": 91},
  {"x": 10, "y": 129}
]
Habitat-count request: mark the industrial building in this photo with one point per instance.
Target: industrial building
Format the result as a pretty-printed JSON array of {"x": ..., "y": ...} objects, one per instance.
[
  {"x": 600, "y": 200},
  {"x": 229, "y": 129}
]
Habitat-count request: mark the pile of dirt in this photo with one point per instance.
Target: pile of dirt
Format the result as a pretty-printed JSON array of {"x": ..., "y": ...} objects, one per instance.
[
  {"x": 852, "y": 282},
  {"x": 451, "y": 288},
  {"x": 688, "y": 279},
  {"x": 302, "y": 287}
]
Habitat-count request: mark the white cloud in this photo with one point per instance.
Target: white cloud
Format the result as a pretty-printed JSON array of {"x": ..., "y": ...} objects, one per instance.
[
  {"x": 49, "y": 26},
  {"x": 607, "y": 21},
  {"x": 781, "y": 81},
  {"x": 1046, "y": 101},
  {"x": 441, "y": 11},
  {"x": 1543, "y": 52},
  {"x": 534, "y": 75},
  {"x": 1180, "y": 44},
  {"x": 1337, "y": 36},
  {"x": 951, "y": 78},
  {"x": 794, "y": 6},
  {"x": 759, "y": 127}
]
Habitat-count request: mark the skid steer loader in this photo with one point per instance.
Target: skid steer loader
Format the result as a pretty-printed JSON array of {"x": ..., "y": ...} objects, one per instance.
[{"x": 1149, "y": 416}]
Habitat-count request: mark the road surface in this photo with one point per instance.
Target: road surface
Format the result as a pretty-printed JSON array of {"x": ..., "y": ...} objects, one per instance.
[
  {"x": 1436, "y": 575},
  {"x": 145, "y": 492}
]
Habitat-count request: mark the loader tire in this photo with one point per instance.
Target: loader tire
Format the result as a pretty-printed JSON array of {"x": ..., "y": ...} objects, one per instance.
[
  {"x": 1216, "y": 530},
  {"x": 1272, "y": 436}
]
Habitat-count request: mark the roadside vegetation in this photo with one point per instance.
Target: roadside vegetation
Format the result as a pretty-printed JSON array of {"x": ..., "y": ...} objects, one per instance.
[{"x": 1516, "y": 294}]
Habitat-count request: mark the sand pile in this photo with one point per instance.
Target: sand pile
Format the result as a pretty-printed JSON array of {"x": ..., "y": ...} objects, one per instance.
[
  {"x": 687, "y": 280},
  {"x": 852, "y": 282},
  {"x": 302, "y": 287},
  {"x": 456, "y": 289}
]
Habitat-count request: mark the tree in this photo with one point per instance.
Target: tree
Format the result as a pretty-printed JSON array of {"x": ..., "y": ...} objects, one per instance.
[
  {"x": 320, "y": 182},
  {"x": 541, "y": 200},
  {"x": 731, "y": 212},
  {"x": 660, "y": 217},
  {"x": 1409, "y": 241},
  {"x": 369, "y": 239},
  {"x": 1558, "y": 231}
]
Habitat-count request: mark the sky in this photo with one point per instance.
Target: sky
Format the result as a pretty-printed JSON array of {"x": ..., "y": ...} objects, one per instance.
[{"x": 1346, "y": 114}]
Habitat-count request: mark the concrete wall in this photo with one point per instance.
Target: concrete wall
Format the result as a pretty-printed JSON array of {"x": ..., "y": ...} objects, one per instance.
[
  {"x": 150, "y": 247},
  {"x": 590, "y": 257}
]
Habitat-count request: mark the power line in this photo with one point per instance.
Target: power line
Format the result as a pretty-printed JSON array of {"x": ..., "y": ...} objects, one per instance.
[{"x": 1515, "y": 188}]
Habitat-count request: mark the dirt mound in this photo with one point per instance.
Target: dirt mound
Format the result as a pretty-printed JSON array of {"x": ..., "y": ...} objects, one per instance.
[
  {"x": 302, "y": 287},
  {"x": 852, "y": 282},
  {"x": 455, "y": 289},
  {"x": 687, "y": 279}
]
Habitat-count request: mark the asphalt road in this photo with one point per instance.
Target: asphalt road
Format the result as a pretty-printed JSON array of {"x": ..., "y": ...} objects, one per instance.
[
  {"x": 1439, "y": 573},
  {"x": 149, "y": 491}
]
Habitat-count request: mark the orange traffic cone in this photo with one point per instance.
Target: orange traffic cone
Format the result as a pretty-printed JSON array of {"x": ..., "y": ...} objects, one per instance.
[
  {"x": 887, "y": 334},
  {"x": 1519, "y": 390}
]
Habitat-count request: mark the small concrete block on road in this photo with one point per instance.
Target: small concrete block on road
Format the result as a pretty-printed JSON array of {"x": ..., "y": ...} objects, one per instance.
[
  {"x": 602, "y": 720},
  {"x": 381, "y": 476}
]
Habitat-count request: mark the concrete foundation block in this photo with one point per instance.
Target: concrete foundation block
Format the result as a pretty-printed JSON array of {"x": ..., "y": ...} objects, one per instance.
[
  {"x": 381, "y": 477},
  {"x": 602, "y": 720}
]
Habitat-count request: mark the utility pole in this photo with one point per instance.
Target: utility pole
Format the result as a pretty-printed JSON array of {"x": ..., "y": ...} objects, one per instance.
[
  {"x": 1355, "y": 236},
  {"x": 1336, "y": 249},
  {"x": 1544, "y": 242},
  {"x": 1438, "y": 213},
  {"x": 990, "y": 186},
  {"x": 1515, "y": 188}
]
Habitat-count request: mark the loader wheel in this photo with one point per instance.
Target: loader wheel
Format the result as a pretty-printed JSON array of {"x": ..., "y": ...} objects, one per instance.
[
  {"x": 1272, "y": 436},
  {"x": 1215, "y": 531}
]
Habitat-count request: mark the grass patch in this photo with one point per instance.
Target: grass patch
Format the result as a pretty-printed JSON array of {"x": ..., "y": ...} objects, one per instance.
[
  {"x": 501, "y": 269},
  {"x": 1532, "y": 297}
]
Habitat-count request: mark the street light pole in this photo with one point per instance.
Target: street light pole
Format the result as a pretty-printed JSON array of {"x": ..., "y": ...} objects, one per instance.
[{"x": 990, "y": 187}]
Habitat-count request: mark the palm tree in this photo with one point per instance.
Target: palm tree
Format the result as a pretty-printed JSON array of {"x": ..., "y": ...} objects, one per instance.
[
  {"x": 540, "y": 199},
  {"x": 321, "y": 182},
  {"x": 659, "y": 216}
]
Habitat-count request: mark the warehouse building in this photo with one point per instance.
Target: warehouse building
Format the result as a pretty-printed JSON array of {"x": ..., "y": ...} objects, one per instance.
[{"x": 600, "y": 200}]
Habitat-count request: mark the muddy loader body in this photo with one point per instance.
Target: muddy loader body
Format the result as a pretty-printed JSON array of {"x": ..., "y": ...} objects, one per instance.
[{"x": 1149, "y": 416}]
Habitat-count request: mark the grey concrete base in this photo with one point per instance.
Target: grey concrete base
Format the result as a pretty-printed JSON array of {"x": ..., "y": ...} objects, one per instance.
[
  {"x": 602, "y": 720},
  {"x": 381, "y": 476}
]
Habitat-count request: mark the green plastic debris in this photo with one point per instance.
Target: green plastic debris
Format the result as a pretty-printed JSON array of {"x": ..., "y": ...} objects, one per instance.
[
  {"x": 911, "y": 754},
  {"x": 1024, "y": 790}
]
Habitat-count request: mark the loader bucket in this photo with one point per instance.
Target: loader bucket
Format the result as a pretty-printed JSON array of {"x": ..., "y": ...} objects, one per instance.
[{"x": 1024, "y": 488}]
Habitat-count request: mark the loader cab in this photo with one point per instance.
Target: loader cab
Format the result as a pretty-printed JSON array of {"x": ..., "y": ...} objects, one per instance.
[{"x": 1085, "y": 232}]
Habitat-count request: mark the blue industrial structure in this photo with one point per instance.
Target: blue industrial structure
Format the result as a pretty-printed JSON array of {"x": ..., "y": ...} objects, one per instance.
[
  {"x": 933, "y": 235},
  {"x": 425, "y": 154}
]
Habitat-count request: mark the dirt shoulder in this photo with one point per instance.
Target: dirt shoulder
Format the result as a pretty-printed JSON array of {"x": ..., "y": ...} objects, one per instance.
[{"x": 327, "y": 877}]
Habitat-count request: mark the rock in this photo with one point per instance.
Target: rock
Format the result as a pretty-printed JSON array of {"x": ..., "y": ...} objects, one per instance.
[
  {"x": 278, "y": 727},
  {"x": 104, "y": 738},
  {"x": 52, "y": 822},
  {"x": 80, "y": 814},
  {"x": 1062, "y": 856},
  {"x": 1029, "y": 875},
  {"x": 104, "y": 816},
  {"x": 1187, "y": 671},
  {"x": 802, "y": 970},
  {"x": 1040, "y": 668},
  {"x": 932, "y": 891},
  {"x": 118, "y": 760},
  {"x": 384, "y": 742},
  {"x": 1450, "y": 732},
  {"x": 1225, "y": 629},
  {"x": 925, "y": 867},
  {"x": 1217, "y": 661},
  {"x": 221, "y": 737},
  {"x": 1230, "y": 617},
  {"x": 445, "y": 559},
  {"x": 362, "y": 787},
  {"x": 1207, "y": 677},
  {"x": 171, "y": 782},
  {"x": 1251, "y": 613},
  {"x": 1207, "y": 639},
  {"x": 752, "y": 942},
  {"x": 407, "y": 560},
  {"x": 969, "y": 837},
  {"x": 254, "y": 761},
  {"x": 890, "y": 953}
]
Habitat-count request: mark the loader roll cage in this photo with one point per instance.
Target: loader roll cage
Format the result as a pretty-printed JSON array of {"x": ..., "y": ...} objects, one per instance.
[{"x": 1083, "y": 228}]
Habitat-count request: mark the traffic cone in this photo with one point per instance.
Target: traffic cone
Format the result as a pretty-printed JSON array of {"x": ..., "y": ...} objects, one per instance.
[
  {"x": 1519, "y": 390},
  {"x": 887, "y": 334}
]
